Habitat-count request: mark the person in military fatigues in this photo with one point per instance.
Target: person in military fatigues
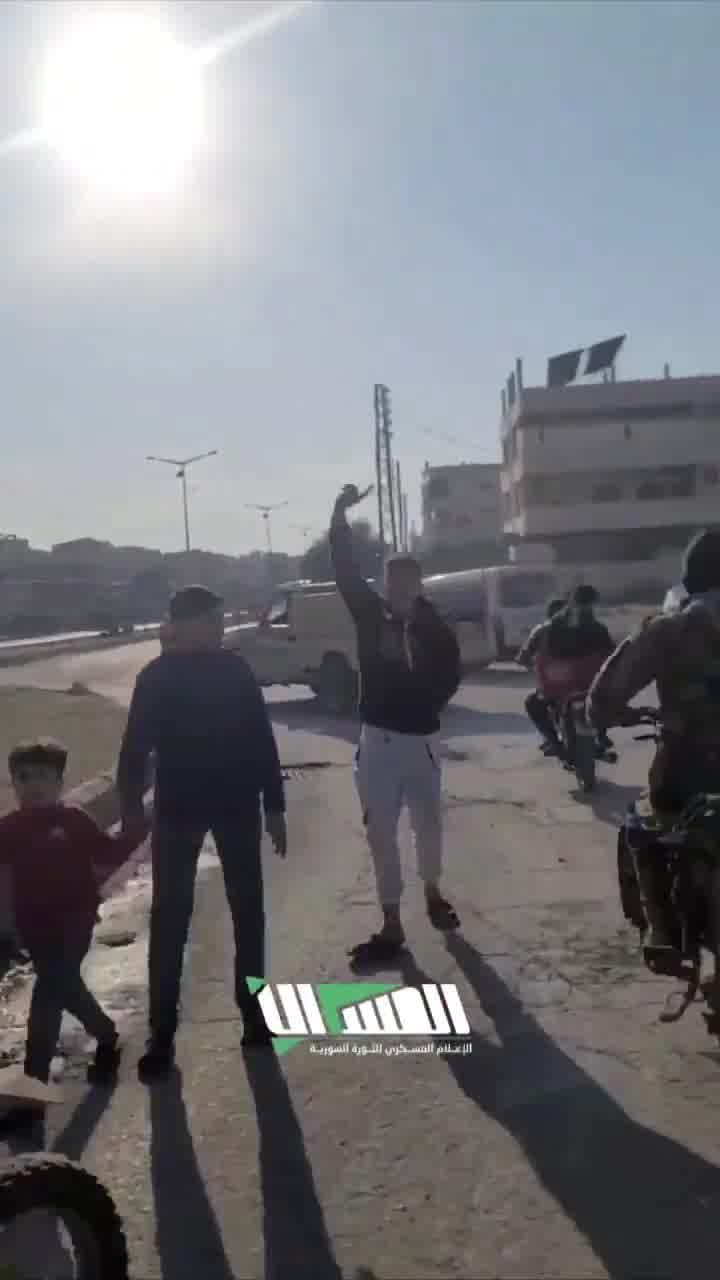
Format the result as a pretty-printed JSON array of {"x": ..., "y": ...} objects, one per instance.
[{"x": 680, "y": 653}]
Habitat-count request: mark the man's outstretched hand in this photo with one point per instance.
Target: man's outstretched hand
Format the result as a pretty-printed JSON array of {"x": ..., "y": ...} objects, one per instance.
[
  {"x": 276, "y": 827},
  {"x": 351, "y": 496}
]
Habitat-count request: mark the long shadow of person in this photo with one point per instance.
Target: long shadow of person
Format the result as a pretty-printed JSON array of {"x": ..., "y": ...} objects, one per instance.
[
  {"x": 646, "y": 1205},
  {"x": 189, "y": 1241},
  {"x": 297, "y": 1245}
]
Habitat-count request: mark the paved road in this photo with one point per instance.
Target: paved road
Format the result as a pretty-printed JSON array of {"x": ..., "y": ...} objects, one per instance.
[{"x": 577, "y": 1140}]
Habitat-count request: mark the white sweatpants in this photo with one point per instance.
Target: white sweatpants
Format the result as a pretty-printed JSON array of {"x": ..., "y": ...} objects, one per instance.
[{"x": 393, "y": 770}]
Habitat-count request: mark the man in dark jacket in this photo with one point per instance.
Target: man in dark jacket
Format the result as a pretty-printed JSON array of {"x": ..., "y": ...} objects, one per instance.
[
  {"x": 409, "y": 670},
  {"x": 199, "y": 709}
]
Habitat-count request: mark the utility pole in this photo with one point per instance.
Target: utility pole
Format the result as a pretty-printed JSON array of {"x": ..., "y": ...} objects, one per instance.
[
  {"x": 384, "y": 468},
  {"x": 182, "y": 464},
  {"x": 401, "y": 509},
  {"x": 266, "y": 511}
]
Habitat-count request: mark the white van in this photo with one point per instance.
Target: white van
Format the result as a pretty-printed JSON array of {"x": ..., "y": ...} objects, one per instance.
[
  {"x": 518, "y": 597},
  {"x": 462, "y": 600},
  {"x": 305, "y": 636}
]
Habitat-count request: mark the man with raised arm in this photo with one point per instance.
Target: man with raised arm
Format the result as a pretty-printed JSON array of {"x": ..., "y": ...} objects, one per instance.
[{"x": 409, "y": 670}]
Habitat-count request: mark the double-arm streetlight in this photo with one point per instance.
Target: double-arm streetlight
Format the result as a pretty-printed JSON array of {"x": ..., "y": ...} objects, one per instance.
[
  {"x": 182, "y": 464},
  {"x": 266, "y": 512}
]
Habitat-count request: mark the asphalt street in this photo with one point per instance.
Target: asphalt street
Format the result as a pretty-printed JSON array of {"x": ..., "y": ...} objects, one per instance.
[{"x": 577, "y": 1139}]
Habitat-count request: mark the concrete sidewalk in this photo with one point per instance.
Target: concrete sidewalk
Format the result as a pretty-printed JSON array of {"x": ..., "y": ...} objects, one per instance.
[{"x": 577, "y": 1140}]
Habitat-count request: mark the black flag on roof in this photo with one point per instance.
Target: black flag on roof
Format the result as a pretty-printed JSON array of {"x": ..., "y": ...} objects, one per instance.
[
  {"x": 603, "y": 355},
  {"x": 563, "y": 369}
]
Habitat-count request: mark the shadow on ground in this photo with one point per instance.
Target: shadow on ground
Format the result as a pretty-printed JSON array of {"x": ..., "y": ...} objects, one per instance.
[
  {"x": 459, "y": 721},
  {"x": 646, "y": 1205},
  {"x": 297, "y": 1244},
  {"x": 189, "y": 1241},
  {"x": 611, "y": 801}
]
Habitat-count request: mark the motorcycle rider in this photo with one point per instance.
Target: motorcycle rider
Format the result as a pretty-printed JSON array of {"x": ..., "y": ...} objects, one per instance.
[
  {"x": 577, "y": 634},
  {"x": 536, "y": 705},
  {"x": 680, "y": 652}
]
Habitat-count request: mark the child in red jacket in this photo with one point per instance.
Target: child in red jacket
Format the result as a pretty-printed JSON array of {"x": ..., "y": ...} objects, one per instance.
[{"x": 58, "y": 858}]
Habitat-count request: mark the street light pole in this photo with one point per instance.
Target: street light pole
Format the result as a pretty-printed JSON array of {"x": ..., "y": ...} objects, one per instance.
[
  {"x": 265, "y": 511},
  {"x": 182, "y": 465}
]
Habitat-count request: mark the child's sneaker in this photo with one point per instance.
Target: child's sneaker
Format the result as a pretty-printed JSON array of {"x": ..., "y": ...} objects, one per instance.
[{"x": 104, "y": 1065}]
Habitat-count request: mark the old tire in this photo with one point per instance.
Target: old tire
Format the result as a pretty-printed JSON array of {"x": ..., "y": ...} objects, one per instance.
[
  {"x": 336, "y": 686},
  {"x": 87, "y": 1211}
]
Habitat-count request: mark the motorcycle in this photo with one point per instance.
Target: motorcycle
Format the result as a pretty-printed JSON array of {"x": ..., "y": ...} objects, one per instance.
[
  {"x": 688, "y": 854},
  {"x": 91, "y": 1228},
  {"x": 564, "y": 685}
]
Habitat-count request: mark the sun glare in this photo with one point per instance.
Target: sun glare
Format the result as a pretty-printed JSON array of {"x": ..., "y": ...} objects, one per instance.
[{"x": 122, "y": 105}]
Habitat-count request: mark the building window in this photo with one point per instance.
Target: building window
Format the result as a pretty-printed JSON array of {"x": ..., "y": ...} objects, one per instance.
[
  {"x": 627, "y": 431},
  {"x": 541, "y": 435},
  {"x": 607, "y": 493},
  {"x": 439, "y": 487},
  {"x": 711, "y": 475},
  {"x": 463, "y": 522}
]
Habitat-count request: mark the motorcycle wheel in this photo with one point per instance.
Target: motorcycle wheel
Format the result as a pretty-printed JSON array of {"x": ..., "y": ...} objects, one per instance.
[
  {"x": 54, "y": 1186},
  {"x": 585, "y": 766}
]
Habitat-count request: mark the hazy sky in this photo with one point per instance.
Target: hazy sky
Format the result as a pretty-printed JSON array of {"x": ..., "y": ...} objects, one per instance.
[{"x": 412, "y": 193}]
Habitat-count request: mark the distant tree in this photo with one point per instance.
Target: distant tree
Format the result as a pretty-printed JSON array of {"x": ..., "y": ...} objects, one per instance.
[{"x": 317, "y": 566}]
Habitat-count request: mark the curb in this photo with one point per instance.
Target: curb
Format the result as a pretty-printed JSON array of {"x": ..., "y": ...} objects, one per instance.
[{"x": 40, "y": 652}]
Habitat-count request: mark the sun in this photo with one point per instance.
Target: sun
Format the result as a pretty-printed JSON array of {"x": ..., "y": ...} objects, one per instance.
[{"x": 122, "y": 105}]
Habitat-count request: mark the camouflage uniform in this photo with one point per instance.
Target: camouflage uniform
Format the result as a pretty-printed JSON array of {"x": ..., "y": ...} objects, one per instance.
[{"x": 680, "y": 652}]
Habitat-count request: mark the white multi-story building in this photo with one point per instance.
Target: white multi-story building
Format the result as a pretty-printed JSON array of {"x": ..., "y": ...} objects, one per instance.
[
  {"x": 612, "y": 470},
  {"x": 461, "y": 507}
]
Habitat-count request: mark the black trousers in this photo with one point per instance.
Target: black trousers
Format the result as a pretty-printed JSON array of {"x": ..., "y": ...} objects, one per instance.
[
  {"x": 175, "y": 852},
  {"x": 539, "y": 712},
  {"x": 59, "y": 986}
]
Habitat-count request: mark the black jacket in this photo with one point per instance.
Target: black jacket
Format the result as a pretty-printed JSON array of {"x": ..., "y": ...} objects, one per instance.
[
  {"x": 204, "y": 717},
  {"x": 408, "y": 673},
  {"x": 586, "y": 639}
]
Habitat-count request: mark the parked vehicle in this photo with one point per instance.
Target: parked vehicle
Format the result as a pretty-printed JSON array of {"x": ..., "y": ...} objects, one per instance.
[
  {"x": 493, "y": 609},
  {"x": 689, "y": 851}
]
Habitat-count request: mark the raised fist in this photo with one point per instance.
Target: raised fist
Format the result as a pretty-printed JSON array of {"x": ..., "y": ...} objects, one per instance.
[{"x": 351, "y": 496}]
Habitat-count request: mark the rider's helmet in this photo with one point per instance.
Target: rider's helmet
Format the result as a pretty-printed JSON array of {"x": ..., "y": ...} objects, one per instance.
[{"x": 701, "y": 565}]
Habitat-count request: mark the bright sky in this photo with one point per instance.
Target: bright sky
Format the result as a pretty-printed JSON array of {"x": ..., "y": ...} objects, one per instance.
[{"x": 408, "y": 193}]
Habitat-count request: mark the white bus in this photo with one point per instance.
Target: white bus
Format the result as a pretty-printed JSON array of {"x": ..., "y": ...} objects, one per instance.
[{"x": 493, "y": 609}]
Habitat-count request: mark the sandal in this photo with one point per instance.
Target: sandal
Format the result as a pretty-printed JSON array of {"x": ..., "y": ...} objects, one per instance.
[
  {"x": 379, "y": 949},
  {"x": 442, "y": 915}
]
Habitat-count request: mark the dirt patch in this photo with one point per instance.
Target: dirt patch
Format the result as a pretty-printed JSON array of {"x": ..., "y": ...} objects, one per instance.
[{"x": 90, "y": 727}]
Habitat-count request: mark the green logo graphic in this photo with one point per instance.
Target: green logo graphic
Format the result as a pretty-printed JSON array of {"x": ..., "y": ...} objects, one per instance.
[{"x": 304, "y": 1011}]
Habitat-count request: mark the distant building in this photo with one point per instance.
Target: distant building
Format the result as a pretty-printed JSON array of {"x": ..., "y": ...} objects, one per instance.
[
  {"x": 461, "y": 509},
  {"x": 611, "y": 470}
]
